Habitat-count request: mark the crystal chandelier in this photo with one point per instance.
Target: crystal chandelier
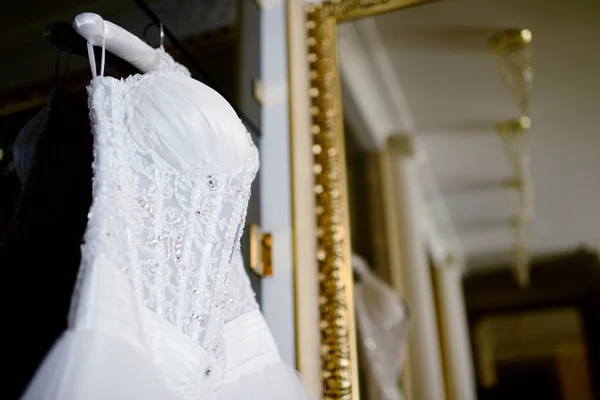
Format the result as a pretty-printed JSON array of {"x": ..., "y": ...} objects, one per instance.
[{"x": 512, "y": 52}]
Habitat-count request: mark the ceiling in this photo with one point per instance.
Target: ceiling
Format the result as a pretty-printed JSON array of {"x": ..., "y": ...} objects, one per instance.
[{"x": 455, "y": 96}]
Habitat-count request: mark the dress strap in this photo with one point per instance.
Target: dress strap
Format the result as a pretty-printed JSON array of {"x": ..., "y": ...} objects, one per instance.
[{"x": 92, "y": 56}]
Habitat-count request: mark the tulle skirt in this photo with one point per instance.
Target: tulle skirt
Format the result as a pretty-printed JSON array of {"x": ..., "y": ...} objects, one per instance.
[{"x": 90, "y": 365}]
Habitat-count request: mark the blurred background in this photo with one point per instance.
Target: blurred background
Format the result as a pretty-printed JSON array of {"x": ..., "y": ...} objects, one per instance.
[{"x": 482, "y": 116}]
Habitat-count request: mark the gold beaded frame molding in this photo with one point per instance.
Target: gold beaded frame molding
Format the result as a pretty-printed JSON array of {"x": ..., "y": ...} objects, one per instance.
[{"x": 339, "y": 374}]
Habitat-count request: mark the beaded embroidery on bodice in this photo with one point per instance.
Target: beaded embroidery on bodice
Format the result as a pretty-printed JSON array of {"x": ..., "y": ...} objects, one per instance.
[{"x": 172, "y": 177}]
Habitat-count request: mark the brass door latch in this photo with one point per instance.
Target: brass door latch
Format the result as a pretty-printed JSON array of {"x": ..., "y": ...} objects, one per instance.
[
  {"x": 268, "y": 95},
  {"x": 258, "y": 91},
  {"x": 260, "y": 252}
]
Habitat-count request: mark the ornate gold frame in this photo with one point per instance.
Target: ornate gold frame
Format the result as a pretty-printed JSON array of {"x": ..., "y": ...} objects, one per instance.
[{"x": 339, "y": 370}]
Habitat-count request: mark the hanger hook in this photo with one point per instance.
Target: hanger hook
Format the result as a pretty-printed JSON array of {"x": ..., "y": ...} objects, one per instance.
[{"x": 161, "y": 32}]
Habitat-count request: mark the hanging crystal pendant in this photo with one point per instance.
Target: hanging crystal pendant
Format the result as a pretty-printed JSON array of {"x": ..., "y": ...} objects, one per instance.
[
  {"x": 522, "y": 268},
  {"x": 527, "y": 197},
  {"x": 514, "y": 189},
  {"x": 520, "y": 195},
  {"x": 513, "y": 54},
  {"x": 521, "y": 226},
  {"x": 514, "y": 134},
  {"x": 515, "y": 138}
]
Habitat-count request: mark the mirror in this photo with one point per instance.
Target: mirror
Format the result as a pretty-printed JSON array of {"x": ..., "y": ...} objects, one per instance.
[{"x": 425, "y": 143}]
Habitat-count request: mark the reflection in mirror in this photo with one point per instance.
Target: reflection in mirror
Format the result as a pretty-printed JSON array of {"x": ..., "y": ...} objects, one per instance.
[
  {"x": 445, "y": 132},
  {"x": 382, "y": 317},
  {"x": 544, "y": 338}
]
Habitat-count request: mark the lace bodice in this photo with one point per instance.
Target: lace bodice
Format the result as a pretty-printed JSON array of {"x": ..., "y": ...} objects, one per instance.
[{"x": 172, "y": 174}]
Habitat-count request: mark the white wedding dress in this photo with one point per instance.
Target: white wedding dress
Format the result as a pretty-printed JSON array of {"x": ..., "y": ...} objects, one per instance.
[
  {"x": 163, "y": 308},
  {"x": 383, "y": 322}
]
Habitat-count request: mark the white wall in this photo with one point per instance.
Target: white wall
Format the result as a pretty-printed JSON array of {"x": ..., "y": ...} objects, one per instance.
[{"x": 276, "y": 211}]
